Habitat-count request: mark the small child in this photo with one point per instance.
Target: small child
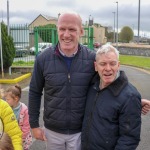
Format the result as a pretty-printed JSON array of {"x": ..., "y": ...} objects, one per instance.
[
  {"x": 6, "y": 142},
  {"x": 13, "y": 96}
]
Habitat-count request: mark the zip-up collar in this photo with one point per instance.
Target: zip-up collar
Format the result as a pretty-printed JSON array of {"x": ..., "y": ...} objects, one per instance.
[{"x": 115, "y": 87}]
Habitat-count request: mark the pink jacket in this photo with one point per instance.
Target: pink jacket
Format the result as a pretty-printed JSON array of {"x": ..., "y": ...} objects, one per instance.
[{"x": 25, "y": 126}]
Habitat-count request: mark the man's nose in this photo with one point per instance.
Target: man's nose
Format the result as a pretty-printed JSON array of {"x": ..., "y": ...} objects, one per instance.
[
  {"x": 108, "y": 67},
  {"x": 66, "y": 33}
]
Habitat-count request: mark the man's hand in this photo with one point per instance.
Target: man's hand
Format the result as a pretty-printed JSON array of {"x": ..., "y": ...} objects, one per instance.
[
  {"x": 145, "y": 106},
  {"x": 38, "y": 133}
]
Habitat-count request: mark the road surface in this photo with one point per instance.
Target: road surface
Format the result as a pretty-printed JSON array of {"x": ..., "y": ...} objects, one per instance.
[{"x": 140, "y": 79}]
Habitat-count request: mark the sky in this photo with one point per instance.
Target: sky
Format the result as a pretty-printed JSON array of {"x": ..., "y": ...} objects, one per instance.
[{"x": 25, "y": 11}]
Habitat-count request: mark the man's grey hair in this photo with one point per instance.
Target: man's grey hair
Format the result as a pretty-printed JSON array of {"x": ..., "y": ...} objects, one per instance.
[{"x": 107, "y": 48}]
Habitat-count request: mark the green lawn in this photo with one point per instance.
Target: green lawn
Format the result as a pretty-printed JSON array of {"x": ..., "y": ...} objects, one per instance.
[
  {"x": 23, "y": 63},
  {"x": 138, "y": 61}
]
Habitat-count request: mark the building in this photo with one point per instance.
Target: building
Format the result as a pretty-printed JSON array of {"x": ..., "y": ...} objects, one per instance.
[
  {"x": 98, "y": 30},
  {"x": 43, "y": 20},
  {"x": 99, "y": 33}
]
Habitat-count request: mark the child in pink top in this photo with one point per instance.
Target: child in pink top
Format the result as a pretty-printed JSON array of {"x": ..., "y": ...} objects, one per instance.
[{"x": 13, "y": 96}]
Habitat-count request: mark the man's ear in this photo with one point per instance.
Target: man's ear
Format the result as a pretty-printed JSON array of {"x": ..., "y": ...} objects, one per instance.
[
  {"x": 118, "y": 63},
  {"x": 95, "y": 66},
  {"x": 82, "y": 32}
]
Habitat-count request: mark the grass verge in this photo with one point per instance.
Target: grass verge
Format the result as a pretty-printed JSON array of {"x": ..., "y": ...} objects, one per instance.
[{"x": 137, "y": 61}]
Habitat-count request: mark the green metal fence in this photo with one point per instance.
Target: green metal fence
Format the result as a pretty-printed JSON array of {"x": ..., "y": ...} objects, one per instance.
[
  {"x": 88, "y": 35},
  {"x": 44, "y": 35},
  {"x": 29, "y": 38}
]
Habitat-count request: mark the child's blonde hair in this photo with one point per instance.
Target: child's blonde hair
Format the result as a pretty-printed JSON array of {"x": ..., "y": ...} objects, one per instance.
[{"x": 6, "y": 143}]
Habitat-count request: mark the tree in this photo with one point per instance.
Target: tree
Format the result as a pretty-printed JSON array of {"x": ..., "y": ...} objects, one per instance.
[
  {"x": 126, "y": 34},
  {"x": 8, "y": 48}
]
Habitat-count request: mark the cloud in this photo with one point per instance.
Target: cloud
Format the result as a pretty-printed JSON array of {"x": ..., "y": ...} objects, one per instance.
[{"x": 100, "y": 10}]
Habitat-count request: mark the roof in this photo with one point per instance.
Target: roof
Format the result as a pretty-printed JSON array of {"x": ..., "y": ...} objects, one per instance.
[
  {"x": 46, "y": 17},
  {"x": 49, "y": 17}
]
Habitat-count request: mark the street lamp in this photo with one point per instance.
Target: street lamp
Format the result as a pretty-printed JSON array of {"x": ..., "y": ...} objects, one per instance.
[
  {"x": 117, "y": 27},
  {"x": 1, "y": 51},
  {"x": 59, "y": 15},
  {"x": 114, "y": 26},
  {"x": 8, "y": 28},
  {"x": 133, "y": 28},
  {"x": 138, "y": 22}
]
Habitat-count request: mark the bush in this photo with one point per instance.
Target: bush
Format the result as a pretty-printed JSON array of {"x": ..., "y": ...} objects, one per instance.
[{"x": 8, "y": 48}]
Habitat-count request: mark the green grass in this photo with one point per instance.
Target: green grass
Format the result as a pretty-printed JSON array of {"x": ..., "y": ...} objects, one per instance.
[
  {"x": 23, "y": 63},
  {"x": 137, "y": 61}
]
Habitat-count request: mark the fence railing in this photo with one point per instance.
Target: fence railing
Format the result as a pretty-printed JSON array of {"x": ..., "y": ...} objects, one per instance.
[{"x": 30, "y": 40}]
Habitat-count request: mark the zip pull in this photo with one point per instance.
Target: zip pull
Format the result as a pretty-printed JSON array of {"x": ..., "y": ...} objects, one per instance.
[{"x": 69, "y": 77}]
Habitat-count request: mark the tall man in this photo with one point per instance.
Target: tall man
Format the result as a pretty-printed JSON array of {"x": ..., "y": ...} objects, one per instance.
[{"x": 64, "y": 71}]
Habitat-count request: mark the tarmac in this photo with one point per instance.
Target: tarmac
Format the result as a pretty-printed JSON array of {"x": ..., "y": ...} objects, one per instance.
[{"x": 140, "y": 78}]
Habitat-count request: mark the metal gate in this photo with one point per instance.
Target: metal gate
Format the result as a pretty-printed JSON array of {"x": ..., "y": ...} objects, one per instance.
[{"x": 49, "y": 35}]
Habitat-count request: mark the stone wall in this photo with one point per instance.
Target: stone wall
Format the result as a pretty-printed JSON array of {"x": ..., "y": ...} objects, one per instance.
[
  {"x": 134, "y": 51},
  {"x": 21, "y": 69},
  {"x": 123, "y": 50}
]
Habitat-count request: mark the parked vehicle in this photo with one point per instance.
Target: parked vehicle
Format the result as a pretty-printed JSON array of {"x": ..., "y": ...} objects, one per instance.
[
  {"x": 21, "y": 51},
  {"x": 41, "y": 47},
  {"x": 97, "y": 45}
]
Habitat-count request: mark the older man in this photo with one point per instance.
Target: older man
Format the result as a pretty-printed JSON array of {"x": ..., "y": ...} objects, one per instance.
[{"x": 112, "y": 119}]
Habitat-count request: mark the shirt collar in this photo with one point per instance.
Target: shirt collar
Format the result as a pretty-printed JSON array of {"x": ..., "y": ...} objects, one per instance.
[{"x": 62, "y": 53}]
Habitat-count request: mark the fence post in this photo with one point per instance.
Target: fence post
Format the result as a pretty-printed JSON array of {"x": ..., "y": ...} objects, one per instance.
[
  {"x": 56, "y": 38},
  {"x": 1, "y": 52},
  {"x": 90, "y": 37},
  {"x": 36, "y": 40},
  {"x": 53, "y": 35}
]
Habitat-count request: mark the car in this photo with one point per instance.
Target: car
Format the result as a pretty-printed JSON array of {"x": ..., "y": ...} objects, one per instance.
[
  {"x": 41, "y": 47},
  {"x": 96, "y": 45},
  {"x": 109, "y": 43},
  {"x": 21, "y": 51}
]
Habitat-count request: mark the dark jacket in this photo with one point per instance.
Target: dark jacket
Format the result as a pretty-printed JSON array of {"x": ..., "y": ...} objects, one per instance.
[
  {"x": 112, "y": 118},
  {"x": 64, "y": 90}
]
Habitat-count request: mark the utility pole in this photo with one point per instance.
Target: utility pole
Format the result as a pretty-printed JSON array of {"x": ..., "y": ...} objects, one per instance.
[
  {"x": 114, "y": 26},
  {"x": 117, "y": 27},
  {"x": 1, "y": 52},
  {"x": 8, "y": 28},
  {"x": 139, "y": 23}
]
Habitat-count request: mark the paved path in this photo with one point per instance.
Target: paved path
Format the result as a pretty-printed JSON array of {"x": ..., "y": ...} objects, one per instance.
[{"x": 139, "y": 79}]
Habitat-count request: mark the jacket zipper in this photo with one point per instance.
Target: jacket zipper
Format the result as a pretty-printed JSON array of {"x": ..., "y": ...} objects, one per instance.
[
  {"x": 90, "y": 118},
  {"x": 69, "y": 77}
]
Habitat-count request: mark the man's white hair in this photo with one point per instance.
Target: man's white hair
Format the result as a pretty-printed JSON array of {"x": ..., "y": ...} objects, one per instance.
[{"x": 107, "y": 48}]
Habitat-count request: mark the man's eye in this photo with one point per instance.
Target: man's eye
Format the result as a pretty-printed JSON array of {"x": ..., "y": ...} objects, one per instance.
[
  {"x": 62, "y": 29},
  {"x": 102, "y": 64},
  {"x": 113, "y": 63},
  {"x": 71, "y": 30}
]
